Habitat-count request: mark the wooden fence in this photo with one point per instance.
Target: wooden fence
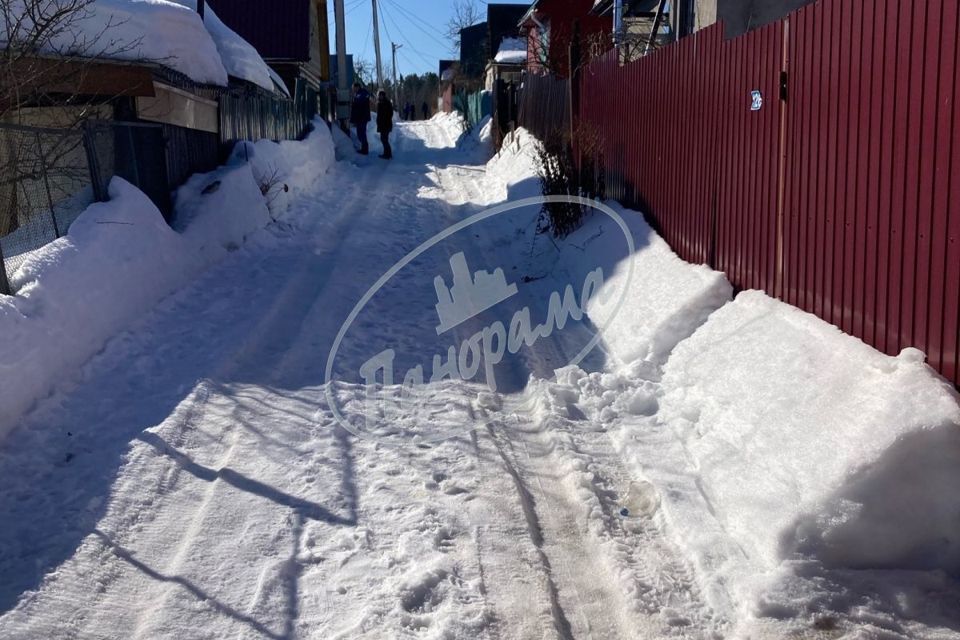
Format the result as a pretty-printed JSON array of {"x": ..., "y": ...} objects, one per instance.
[
  {"x": 544, "y": 104},
  {"x": 813, "y": 158}
]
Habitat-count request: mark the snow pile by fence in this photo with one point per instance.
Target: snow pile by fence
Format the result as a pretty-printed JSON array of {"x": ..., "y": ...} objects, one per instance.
[
  {"x": 667, "y": 300},
  {"x": 217, "y": 210},
  {"x": 120, "y": 257},
  {"x": 516, "y": 164},
  {"x": 293, "y": 164},
  {"x": 810, "y": 444},
  {"x": 784, "y": 453}
]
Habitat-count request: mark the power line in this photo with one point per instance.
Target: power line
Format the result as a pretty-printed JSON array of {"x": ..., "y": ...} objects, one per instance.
[
  {"x": 444, "y": 45},
  {"x": 347, "y": 11},
  {"x": 366, "y": 40},
  {"x": 426, "y": 58},
  {"x": 410, "y": 16}
]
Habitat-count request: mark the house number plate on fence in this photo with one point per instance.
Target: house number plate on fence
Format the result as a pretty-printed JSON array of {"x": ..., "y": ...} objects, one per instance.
[{"x": 756, "y": 101}]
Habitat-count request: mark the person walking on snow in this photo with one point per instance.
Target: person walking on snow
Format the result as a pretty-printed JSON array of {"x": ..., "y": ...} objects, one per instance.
[
  {"x": 385, "y": 122},
  {"x": 360, "y": 115}
]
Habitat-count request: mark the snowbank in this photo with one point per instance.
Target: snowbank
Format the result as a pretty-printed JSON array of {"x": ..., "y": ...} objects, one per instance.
[
  {"x": 668, "y": 298},
  {"x": 120, "y": 257},
  {"x": 797, "y": 467},
  {"x": 516, "y": 165},
  {"x": 453, "y": 122},
  {"x": 168, "y": 32},
  {"x": 291, "y": 166},
  {"x": 220, "y": 219},
  {"x": 807, "y": 441}
]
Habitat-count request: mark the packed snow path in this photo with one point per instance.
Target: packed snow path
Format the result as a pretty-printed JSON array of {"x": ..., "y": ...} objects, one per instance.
[
  {"x": 193, "y": 483},
  {"x": 186, "y": 486}
]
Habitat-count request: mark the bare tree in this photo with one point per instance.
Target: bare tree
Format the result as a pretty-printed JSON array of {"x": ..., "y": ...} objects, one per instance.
[
  {"x": 466, "y": 13},
  {"x": 363, "y": 71},
  {"x": 48, "y": 49}
]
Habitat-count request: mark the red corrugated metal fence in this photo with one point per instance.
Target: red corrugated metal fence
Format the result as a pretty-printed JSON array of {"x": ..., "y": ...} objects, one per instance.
[{"x": 839, "y": 198}]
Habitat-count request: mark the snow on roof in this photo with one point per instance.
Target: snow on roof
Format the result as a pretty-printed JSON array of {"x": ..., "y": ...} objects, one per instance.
[
  {"x": 239, "y": 57},
  {"x": 167, "y": 32},
  {"x": 512, "y": 51},
  {"x": 278, "y": 82}
]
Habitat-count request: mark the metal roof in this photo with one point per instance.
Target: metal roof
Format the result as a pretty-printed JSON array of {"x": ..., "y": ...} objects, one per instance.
[{"x": 278, "y": 29}]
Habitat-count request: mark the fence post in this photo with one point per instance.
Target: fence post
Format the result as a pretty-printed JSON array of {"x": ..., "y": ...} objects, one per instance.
[
  {"x": 4, "y": 283},
  {"x": 778, "y": 282},
  {"x": 574, "y": 92},
  {"x": 93, "y": 163},
  {"x": 46, "y": 184}
]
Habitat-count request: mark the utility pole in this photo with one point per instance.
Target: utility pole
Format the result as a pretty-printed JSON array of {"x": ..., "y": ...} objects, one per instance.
[
  {"x": 617, "y": 22},
  {"x": 396, "y": 87},
  {"x": 376, "y": 45},
  {"x": 343, "y": 89}
]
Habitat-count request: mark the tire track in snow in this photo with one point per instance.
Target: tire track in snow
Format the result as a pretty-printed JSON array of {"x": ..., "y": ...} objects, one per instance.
[
  {"x": 535, "y": 510},
  {"x": 659, "y": 594},
  {"x": 267, "y": 344},
  {"x": 528, "y": 505},
  {"x": 521, "y": 540}
]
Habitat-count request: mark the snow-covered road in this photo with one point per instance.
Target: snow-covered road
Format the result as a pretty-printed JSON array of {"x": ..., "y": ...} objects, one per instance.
[
  {"x": 194, "y": 483},
  {"x": 186, "y": 487}
]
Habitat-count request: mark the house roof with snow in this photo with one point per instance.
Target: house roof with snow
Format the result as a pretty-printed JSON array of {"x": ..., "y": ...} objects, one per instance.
[
  {"x": 292, "y": 35},
  {"x": 512, "y": 51},
  {"x": 502, "y": 20},
  {"x": 167, "y": 32},
  {"x": 637, "y": 8},
  {"x": 279, "y": 29}
]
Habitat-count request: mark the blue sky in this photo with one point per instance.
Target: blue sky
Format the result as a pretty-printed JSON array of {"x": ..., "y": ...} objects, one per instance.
[{"x": 418, "y": 25}]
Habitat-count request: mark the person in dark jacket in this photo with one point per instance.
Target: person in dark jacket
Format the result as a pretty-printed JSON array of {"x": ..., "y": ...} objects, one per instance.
[
  {"x": 426, "y": 111},
  {"x": 385, "y": 122},
  {"x": 360, "y": 115}
]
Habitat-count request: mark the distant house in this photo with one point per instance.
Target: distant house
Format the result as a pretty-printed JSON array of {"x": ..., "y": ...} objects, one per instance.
[
  {"x": 508, "y": 63},
  {"x": 683, "y": 17},
  {"x": 502, "y": 21},
  {"x": 474, "y": 50},
  {"x": 740, "y": 16},
  {"x": 639, "y": 19},
  {"x": 480, "y": 43},
  {"x": 447, "y": 70},
  {"x": 549, "y": 26},
  {"x": 291, "y": 35}
]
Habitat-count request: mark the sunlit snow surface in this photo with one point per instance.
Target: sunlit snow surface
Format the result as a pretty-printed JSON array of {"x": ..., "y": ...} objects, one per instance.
[{"x": 716, "y": 468}]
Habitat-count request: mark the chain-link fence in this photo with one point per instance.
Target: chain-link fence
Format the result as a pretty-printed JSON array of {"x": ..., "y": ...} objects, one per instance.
[
  {"x": 49, "y": 176},
  {"x": 134, "y": 151},
  {"x": 45, "y": 183}
]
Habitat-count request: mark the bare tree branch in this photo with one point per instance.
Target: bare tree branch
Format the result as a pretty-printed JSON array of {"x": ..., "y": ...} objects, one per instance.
[{"x": 466, "y": 13}]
